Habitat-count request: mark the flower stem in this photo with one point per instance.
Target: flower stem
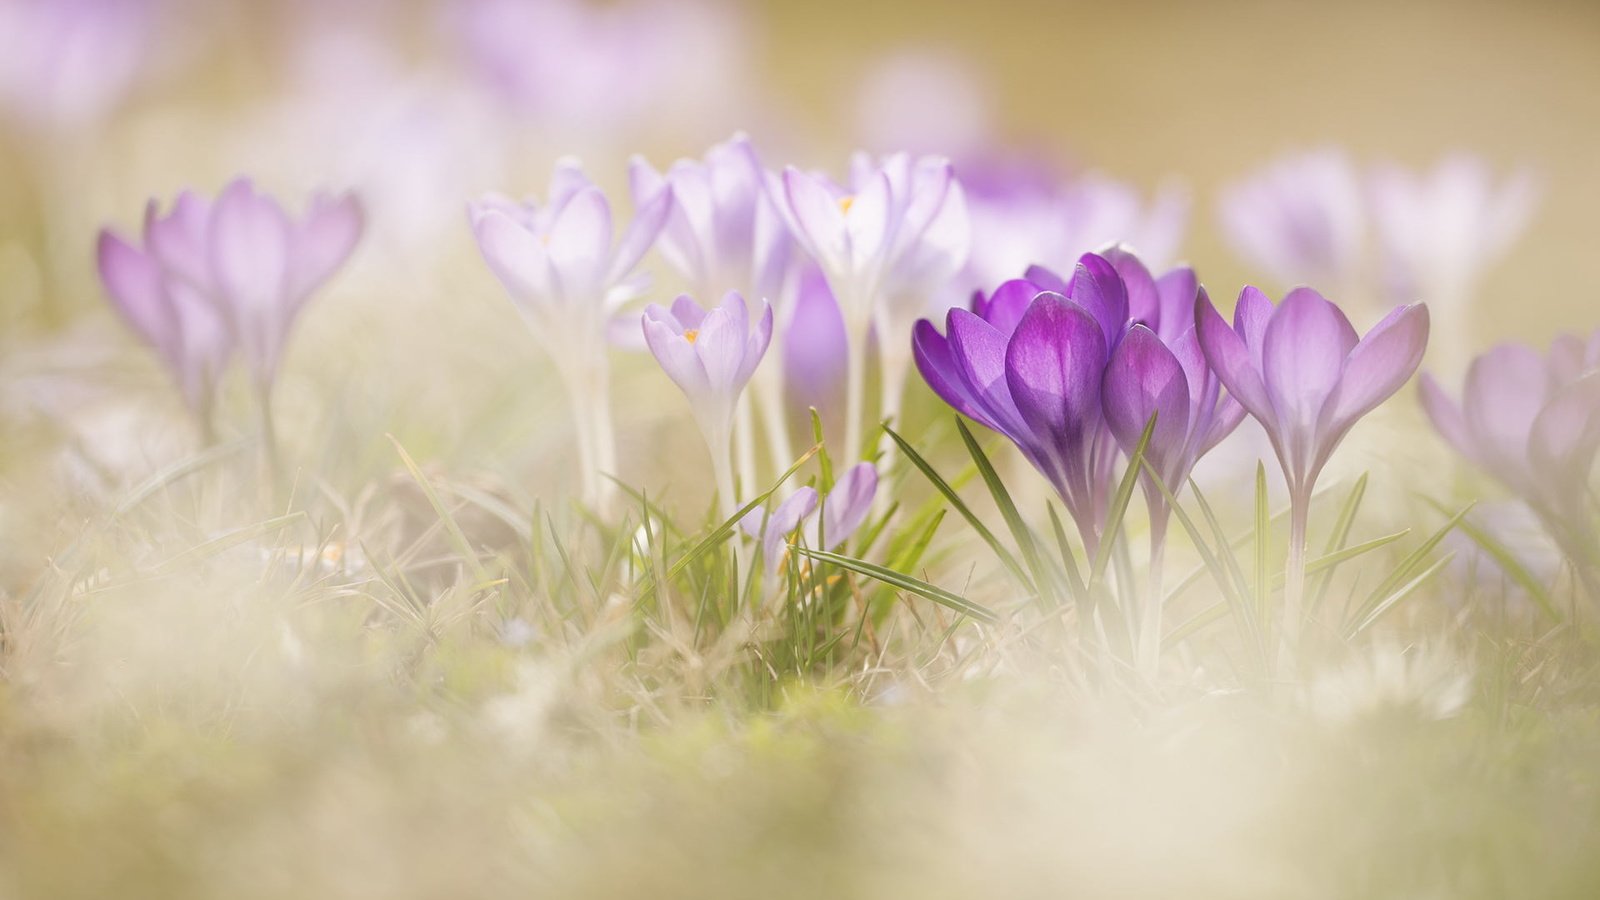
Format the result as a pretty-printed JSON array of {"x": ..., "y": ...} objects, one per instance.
[
  {"x": 768, "y": 385},
  {"x": 855, "y": 391},
  {"x": 1150, "y": 620},
  {"x": 1294, "y": 573},
  {"x": 744, "y": 441},
  {"x": 893, "y": 365}
]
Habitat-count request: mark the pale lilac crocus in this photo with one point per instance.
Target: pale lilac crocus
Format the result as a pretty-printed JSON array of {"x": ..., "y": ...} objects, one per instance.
[
  {"x": 724, "y": 234},
  {"x": 710, "y": 355},
  {"x": 66, "y": 64},
  {"x": 1158, "y": 370},
  {"x": 212, "y": 278},
  {"x": 885, "y": 244},
  {"x": 1440, "y": 229},
  {"x": 842, "y": 512},
  {"x": 1300, "y": 369},
  {"x": 566, "y": 275},
  {"x": 1025, "y": 213},
  {"x": 1029, "y": 361},
  {"x": 1532, "y": 423},
  {"x": 1300, "y": 219}
]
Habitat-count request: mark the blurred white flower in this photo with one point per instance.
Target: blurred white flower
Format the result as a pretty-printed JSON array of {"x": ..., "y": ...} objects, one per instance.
[{"x": 1428, "y": 681}]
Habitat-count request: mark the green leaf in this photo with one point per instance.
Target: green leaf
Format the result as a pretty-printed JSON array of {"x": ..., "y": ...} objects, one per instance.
[
  {"x": 943, "y": 487},
  {"x": 1336, "y": 540},
  {"x": 1508, "y": 563},
  {"x": 1388, "y": 603},
  {"x": 1008, "y": 510},
  {"x": 903, "y": 582},
  {"x": 1119, "y": 503},
  {"x": 458, "y": 537}
]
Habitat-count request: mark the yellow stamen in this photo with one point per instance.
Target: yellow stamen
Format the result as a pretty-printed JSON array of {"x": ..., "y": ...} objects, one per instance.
[
  {"x": 845, "y": 203},
  {"x": 690, "y": 334}
]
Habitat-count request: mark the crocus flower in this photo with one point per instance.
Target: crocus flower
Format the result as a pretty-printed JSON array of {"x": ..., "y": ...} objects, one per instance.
[
  {"x": 1439, "y": 230},
  {"x": 1029, "y": 362},
  {"x": 1302, "y": 371},
  {"x": 724, "y": 234},
  {"x": 1025, "y": 213},
  {"x": 591, "y": 71},
  {"x": 1300, "y": 218},
  {"x": 842, "y": 511},
  {"x": 1158, "y": 370},
  {"x": 67, "y": 63},
  {"x": 558, "y": 262},
  {"x": 711, "y": 356},
  {"x": 884, "y": 245},
  {"x": 213, "y": 277},
  {"x": 1533, "y": 423}
]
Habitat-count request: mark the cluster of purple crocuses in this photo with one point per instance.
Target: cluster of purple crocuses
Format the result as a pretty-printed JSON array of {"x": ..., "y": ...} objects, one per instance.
[{"x": 1077, "y": 370}]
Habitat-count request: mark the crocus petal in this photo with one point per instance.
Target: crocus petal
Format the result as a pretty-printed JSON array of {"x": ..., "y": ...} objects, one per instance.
[
  {"x": 1231, "y": 359},
  {"x": 1505, "y": 389},
  {"x": 979, "y": 352},
  {"x": 1145, "y": 379},
  {"x": 1098, "y": 288},
  {"x": 134, "y": 281},
  {"x": 1047, "y": 280},
  {"x": 648, "y": 222},
  {"x": 1379, "y": 365},
  {"x": 782, "y": 522},
  {"x": 1175, "y": 293},
  {"x": 1143, "y": 299},
  {"x": 580, "y": 245},
  {"x": 250, "y": 240},
  {"x": 939, "y": 369},
  {"x": 179, "y": 238},
  {"x": 687, "y": 312},
  {"x": 1445, "y": 415},
  {"x": 1565, "y": 433},
  {"x": 322, "y": 243},
  {"x": 1303, "y": 355},
  {"x": 1053, "y": 368},
  {"x": 846, "y": 506},
  {"x": 820, "y": 221},
  {"x": 756, "y": 343},
  {"x": 515, "y": 255},
  {"x": 1004, "y": 308},
  {"x": 721, "y": 344},
  {"x": 675, "y": 354}
]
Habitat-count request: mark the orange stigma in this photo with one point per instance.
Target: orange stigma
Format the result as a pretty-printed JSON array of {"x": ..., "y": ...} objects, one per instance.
[
  {"x": 845, "y": 203},
  {"x": 690, "y": 334}
]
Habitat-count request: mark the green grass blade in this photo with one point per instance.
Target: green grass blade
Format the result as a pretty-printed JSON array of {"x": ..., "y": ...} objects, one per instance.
[
  {"x": 1119, "y": 503},
  {"x": 453, "y": 528},
  {"x": 1508, "y": 563},
  {"x": 903, "y": 582},
  {"x": 1020, "y": 532},
  {"x": 1389, "y": 602},
  {"x": 984, "y": 534}
]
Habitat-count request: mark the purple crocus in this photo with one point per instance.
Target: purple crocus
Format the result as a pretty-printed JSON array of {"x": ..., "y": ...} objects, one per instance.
[
  {"x": 1302, "y": 371},
  {"x": 711, "y": 356},
  {"x": 1158, "y": 369},
  {"x": 212, "y": 277},
  {"x": 1533, "y": 423},
  {"x": 558, "y": 262},
  {"x": 1300, "y": 218},
  {"x": 67, "y": 63},
  {"x": 843, "y": 511},
  {"x": 1028, "y": 362},
  {"x": 884, "y": 245}
]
